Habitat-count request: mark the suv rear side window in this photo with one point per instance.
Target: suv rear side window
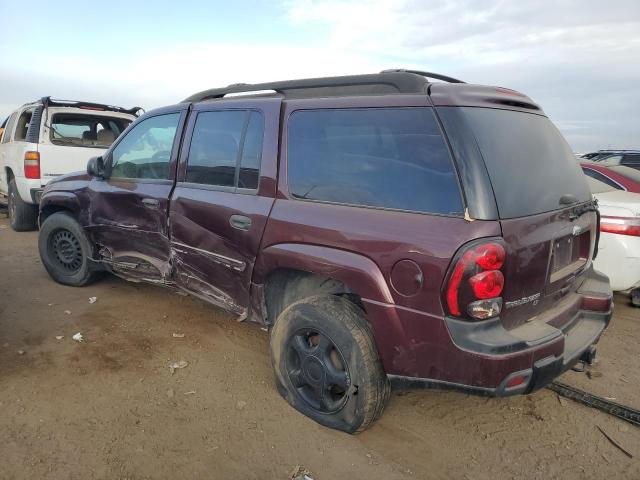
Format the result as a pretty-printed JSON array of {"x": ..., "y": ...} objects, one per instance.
[
  {"x": 377, "y": 157},
  {"x": 226, "y": 148},
  {"x": 23, "y": 125}
]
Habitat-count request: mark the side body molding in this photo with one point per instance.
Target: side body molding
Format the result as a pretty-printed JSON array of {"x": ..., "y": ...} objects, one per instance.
[{"x": 357, "y": 272}]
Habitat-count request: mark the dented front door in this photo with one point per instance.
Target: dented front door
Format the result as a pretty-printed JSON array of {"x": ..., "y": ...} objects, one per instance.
[
  {"x": 129, "y": 208},
  {"x": 223, "y": 196}
]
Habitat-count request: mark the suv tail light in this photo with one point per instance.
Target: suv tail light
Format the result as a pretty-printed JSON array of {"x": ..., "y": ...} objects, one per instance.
[
  {"x": 32, "y": 165},
  {"x": 620, "y": 225},
  {"x": 474, "y": 286}
]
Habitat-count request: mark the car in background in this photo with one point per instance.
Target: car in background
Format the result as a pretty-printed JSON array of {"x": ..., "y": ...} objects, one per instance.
[
  {"x": 4, "y": 123},
  {"x": 617, "y": 176},
  {"x": 48, "y": 138},
  {"x": 628, "y": 158},
  {"x": 618, "y": 254}
]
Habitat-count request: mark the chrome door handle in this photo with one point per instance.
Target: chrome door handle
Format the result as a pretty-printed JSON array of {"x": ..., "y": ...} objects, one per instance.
[
  {"x": 150, "y": 202},
  {"x": 240, "y": 222}
]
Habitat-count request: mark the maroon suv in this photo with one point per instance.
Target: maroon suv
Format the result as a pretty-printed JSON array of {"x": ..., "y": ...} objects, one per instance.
[{"x": 384, "y": 227}]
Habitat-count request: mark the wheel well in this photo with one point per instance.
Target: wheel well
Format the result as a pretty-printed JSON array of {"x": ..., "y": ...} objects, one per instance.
[
  {"x": 285, "y": 286},
  {"x": 10, "y": 174},
  {"x": 48, "y": 210}
]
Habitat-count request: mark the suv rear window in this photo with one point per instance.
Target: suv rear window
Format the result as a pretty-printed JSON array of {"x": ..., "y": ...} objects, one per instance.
[
  {"x": 377, "y": 157},
  {"x": 85, "y": 130},
  {"x": 529, "y": 162}
]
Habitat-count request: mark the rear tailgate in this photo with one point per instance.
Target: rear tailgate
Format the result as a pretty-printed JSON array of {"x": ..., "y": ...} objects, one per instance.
[
  {"x": 547, "y": 256},
  {"x": 56, "y": 160},
  {"x": 545, "y": 209}
]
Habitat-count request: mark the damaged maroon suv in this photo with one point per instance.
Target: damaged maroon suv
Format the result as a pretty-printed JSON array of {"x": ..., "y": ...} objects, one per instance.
[{"x": 388, "y": 229}]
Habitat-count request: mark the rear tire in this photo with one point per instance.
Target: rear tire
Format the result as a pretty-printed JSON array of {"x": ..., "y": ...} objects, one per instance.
[
  {"x": 65, "y": 251},
  {"x": 23, "y": 216},
  {"x": 635, "y": 297},
  {"x": 326, "y": 363}
]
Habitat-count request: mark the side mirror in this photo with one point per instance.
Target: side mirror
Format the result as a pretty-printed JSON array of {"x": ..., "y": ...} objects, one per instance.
[{"x": 95, "y": 167}]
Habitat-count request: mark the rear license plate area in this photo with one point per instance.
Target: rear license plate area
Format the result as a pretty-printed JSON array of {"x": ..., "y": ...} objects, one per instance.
[
  {"x": 563, "y": 253},
  {"x": 568, "y": 255}
]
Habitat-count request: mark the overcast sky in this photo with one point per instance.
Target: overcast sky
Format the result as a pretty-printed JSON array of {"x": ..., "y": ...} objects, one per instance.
[{"x": 579, "y": 59}]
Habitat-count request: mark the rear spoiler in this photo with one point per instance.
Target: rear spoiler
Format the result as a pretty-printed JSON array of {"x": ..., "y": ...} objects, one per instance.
[{"x": 48, "y": 102}]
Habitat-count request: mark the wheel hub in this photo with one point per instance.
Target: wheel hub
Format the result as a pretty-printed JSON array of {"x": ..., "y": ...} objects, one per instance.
[
  {"x": 65, "y": 250},
  {"x": 313, "y": 369},
  {"x": 317, "y": 370}
]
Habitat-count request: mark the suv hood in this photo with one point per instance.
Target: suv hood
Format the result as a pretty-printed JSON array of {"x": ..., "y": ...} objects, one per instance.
[{"x": 68, "y": 181}]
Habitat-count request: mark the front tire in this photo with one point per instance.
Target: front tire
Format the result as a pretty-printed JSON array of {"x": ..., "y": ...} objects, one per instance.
[
  {"x": 65, "y": 251},
  {"x": 23, "y": 216},
  {"x": 326, "y": 363}
]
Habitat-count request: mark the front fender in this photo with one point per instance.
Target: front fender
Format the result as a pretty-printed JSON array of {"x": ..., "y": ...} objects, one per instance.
[
  {"x": 53, "y": 201},
  {"x": 359, "y": 273}
]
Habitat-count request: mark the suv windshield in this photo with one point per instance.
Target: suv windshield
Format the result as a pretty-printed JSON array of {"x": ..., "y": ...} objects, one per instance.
[
  {"x": 85, "y": 130},
  {"x": 529, "y": 162}
]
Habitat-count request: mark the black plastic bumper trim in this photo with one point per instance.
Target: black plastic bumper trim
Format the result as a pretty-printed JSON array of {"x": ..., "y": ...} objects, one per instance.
[{"x": 36, "y": 194}]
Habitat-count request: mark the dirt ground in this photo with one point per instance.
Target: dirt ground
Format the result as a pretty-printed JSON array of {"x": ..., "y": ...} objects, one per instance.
[{"x": 109, "y": 408}]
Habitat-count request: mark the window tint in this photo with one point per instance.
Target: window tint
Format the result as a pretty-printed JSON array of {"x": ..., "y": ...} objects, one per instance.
[
  {"x": 23, "y": 125},
  {"x": 6, "y": 136},
  {"x": 145, "y": 152},
  {"x": 529, "y": 163},
  {"x": 603, "y": 178},
  {"x": 215, "y": 144},
  {"x": 379, "y": 157},
  {"x": 221, "y": 141}
]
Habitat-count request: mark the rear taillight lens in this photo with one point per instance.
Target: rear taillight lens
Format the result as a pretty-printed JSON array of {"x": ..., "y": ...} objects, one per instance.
[
  {"x": 475, "y": 283},
  {"x": 32, "y": 165},
  {"x": 487, "y": 284},
  {"x": 620, "y": 225}
]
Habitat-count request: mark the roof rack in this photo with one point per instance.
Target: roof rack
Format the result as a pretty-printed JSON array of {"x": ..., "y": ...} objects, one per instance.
[
  {"x": 385, "y": 82},
  {"x": 48, "y": 101},
  {"x": 435, "y": 76}
]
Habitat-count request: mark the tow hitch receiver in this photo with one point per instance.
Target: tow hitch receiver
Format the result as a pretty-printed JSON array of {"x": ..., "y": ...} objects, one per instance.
[{"x": 589, "y": 355}]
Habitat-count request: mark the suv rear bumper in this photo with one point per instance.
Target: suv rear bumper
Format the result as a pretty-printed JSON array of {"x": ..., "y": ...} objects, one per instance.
[{"x": 486, "y": 358}]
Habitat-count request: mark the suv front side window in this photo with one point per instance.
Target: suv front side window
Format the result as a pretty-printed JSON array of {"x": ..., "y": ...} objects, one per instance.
[
  {"x": 145, "y": 152},
  {"x": 391, "y": 158}
]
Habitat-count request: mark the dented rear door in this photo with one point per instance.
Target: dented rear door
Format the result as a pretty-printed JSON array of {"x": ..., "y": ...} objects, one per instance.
[
  {"x": 129, "y": 209},
  {"x": 223, "y": 197}
]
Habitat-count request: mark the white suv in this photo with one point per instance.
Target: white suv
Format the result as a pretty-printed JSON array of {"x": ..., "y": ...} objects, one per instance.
[{"x": 48, "y": 138}]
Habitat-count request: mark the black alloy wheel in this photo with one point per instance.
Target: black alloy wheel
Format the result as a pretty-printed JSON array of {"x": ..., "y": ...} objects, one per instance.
[{"x": 317, "y": 370}]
